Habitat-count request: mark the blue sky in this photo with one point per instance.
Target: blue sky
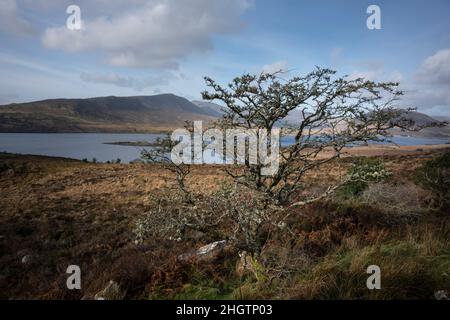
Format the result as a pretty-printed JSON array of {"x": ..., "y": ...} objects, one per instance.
[{"x": 137, "y": 47}]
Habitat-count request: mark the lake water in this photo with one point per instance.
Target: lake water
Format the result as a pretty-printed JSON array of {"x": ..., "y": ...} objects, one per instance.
[
  {"x": 75, "y": 145},
  {"x": 92, "y": 145}
]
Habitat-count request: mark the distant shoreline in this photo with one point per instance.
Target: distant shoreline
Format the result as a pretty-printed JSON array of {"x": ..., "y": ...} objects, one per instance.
[
  {"x": 417, "y": 135},
  {"x": 366, "y": 151},
  {"x": 132, "y": 143},
  {"x": 90, "y": 132}
]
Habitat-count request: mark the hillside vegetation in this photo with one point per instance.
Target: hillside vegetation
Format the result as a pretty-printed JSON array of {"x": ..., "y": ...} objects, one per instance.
[
  {"x": 104, "y": 114},
  {"x": 141, "y": 114},
  {"x": 60, "y": 212}
]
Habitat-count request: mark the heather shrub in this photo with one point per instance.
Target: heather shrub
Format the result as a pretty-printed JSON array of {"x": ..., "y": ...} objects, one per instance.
[
  {"x": 434, "y": 175},
  {"x": 401, "y": 202},
  {"x": 362, "y": 172}
]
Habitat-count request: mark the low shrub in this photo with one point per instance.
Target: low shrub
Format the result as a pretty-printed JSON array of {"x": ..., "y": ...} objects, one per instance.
[
  {"x": 434, "y": 175},
  {"x": 399, "y": 202},
  {"x": 363, "y": 172}
]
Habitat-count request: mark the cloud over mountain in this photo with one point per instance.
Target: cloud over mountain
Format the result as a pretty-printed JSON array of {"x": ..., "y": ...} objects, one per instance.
[
  {"x": 435, "y": 69},
  {"x": 128, "y": 81},
  {"x": 154, "y": 33},
  {"x": 431, "y": 81}
]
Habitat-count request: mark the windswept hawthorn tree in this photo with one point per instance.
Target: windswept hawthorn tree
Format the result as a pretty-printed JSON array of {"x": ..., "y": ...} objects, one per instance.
[{"x": 333, "y": 112}]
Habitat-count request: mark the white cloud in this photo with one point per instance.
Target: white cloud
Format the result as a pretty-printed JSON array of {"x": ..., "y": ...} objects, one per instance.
[
  {"x": 395, "y": 76},
  {"x": 128, "y": 81},
  {"x": 428, "y": 97},
  {"x": 375, "y": 71},
  {"x": 435, "y": 69},
  {"x": 372, "y": 70},
  {"x": 276, "y": 66},
  {"x": 22, "y": 62},
  {"x": 429, "y": 89},
  {"x": 367, "y": 75},
  {"x": 155, "y": 33},
  {"x": 10, "y": 21}
]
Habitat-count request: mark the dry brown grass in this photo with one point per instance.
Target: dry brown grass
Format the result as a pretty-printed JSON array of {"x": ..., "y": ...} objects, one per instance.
[{"x": 64, "y": 212}]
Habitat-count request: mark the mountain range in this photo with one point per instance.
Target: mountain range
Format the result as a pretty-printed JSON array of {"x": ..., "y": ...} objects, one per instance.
[
  {"x": 423, "y": 120},
  {"x": 104, "y": 114},
  {"x": 138, "y": 114}
]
